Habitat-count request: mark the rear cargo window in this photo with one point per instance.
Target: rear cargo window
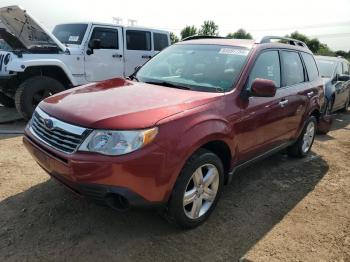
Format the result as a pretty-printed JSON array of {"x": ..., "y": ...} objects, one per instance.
[
  {"x": 138, "y": 40},
  {"x": 160, "y": 41},
  {"x": 292, "y": 68},
  {"x": 311, "y": 67}
]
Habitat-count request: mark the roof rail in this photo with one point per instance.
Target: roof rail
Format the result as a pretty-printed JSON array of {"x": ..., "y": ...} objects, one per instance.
[
  {"x": 194, "y": 37},
  {"x": 291, "y": 41}
]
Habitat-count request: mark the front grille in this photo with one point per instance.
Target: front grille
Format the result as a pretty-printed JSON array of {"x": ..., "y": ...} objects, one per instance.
[{"x": 59, "y": 135}]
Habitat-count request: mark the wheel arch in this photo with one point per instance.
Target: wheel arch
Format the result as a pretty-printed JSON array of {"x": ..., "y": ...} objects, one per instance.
[{"x": 52, "y": 71}]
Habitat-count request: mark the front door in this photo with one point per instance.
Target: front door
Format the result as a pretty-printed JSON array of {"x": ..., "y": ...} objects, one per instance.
[
  {"x": 108, "y": 61},
  {"x": 263, "y": 123},
  {"x": 138, "y": 49}
]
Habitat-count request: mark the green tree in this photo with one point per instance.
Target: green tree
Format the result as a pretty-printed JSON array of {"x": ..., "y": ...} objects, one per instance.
[
  {"x": 209, "y": 28},
  {"x": 188, "y": 31},
  {"x": 173, "y": 38},
  {"x": 325, "y": 50},
  {"x": 314, "y": 45},
  {"x": 240, "y": 34}
]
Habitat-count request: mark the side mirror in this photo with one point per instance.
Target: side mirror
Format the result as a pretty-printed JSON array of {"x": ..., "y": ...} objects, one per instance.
[
  {"x": 343, "y": 78},
  {"x": 93, "y": 44},
  {"x": 263, "y": 88}
]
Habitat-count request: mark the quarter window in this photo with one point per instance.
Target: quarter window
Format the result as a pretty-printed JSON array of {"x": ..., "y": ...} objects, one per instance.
[
  {"x": 107, "y": 36},
  {"x": 160, "y": 41},
  {"x": 311, "y": 67},
  {"x": 138, "y": 40},
  {"x": 292, "y": 68},
  {"x": 267, "y": 66}
]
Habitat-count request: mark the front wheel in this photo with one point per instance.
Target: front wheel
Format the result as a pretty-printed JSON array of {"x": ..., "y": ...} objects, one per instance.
[
  {"x": 304, "y": 143},
  {"x": 32, "y": 91},
  {"x": 197, "y": 190}
]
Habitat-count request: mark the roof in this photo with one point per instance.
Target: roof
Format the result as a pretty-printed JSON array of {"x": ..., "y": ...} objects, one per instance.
[
  {"x": 331, "y": 58},
  {"x": 247, "y": 43},
  {"x": 114, "y": 25},
  {"x": 220, "y": 41}
]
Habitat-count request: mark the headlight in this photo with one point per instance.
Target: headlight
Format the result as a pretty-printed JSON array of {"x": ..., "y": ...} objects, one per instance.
[{"x": 115, "y": 143}]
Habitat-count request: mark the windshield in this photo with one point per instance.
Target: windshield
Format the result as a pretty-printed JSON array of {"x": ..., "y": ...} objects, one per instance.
[
  {"x": 4, "y": 46},
  {"x": 210, "y": 68},
  {"x": 326, "y": 67},
  {"x": 70, "y": 33}
]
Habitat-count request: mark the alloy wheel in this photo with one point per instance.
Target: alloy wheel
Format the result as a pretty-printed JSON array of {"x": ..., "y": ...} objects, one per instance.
[
  {"x": 201, "y": 191},
  {"x": 308, "y": 136}
]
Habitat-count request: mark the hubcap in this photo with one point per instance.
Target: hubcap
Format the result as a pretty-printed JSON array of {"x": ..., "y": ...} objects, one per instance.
[
  {"x": 201, "y": 191},
  {"x": 308, "y": 137}
]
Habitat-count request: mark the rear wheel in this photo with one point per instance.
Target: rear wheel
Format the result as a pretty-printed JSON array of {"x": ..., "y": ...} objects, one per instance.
[
  {"x": 304, "y": 143},
  {"x": 32, "y": 91},
  {"x": 197, "y": 190},
  {"x": 6, "y": 101}
]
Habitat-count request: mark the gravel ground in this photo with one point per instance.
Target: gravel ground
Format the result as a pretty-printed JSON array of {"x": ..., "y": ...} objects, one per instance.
[{"x": 280, "y": 209}]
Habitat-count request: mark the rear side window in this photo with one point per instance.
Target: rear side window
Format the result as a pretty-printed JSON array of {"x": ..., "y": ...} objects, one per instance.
[
  {"x": 292, "y": 68},
  {"x": 267, "y": 66},
  {"x": 311, "y": 66},
  {"x": 108, "y": 37},
  {"x": 160, "y": 41},
  {"x": 138, "y": 40},
  {"x": 345, "y": 68}
]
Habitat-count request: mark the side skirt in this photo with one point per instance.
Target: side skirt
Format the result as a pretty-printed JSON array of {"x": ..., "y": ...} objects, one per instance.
[{"x": 258, "y": 158}]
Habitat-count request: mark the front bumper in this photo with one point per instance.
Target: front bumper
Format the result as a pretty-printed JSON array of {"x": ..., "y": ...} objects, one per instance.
[{"x": 139, "y": 178}]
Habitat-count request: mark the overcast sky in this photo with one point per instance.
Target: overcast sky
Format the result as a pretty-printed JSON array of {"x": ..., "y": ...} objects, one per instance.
[{"x": 329, "y": 22}]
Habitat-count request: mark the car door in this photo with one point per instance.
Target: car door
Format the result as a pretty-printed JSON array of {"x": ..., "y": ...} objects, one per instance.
[
  {"x": 340, "y": 95},
  {"x": 138, "y": 48},
  {"x": 107, "y": 61},
  {"x": 263, "y": 124},
  {"x": 296, "y": 88}
]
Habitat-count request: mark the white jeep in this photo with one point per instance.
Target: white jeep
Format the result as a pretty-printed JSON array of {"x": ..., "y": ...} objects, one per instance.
[{"x": 35, "y": 63}]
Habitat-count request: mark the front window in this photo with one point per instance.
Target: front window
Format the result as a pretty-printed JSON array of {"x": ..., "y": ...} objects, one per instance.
[
  {"x": 326, "y": 67},
  {"x": 71, "y": 34},
  {"x": 209, "y": 68}
]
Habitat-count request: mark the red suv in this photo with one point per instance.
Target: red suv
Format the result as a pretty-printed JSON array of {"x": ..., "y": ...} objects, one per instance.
[{"x": 176, "y": 132}]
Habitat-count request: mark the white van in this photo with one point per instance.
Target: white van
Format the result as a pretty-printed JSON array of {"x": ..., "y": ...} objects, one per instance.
[{"x": 37, "y": 63}]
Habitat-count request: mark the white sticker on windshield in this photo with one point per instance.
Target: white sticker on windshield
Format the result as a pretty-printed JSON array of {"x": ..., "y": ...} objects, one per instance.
[
  {"x": 73, "y": 38},
  {"x": 233, "y": 51}
]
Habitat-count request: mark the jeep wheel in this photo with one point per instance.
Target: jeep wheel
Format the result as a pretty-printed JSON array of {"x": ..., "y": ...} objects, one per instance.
[
  {"x": 6, "y": 101},
  {"x": 32, "y": 91},
  {"x": 197, "y": 190},
  {"x": 304, "y": 143}
]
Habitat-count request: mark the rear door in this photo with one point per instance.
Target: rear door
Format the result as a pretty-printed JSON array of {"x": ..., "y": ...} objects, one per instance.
[
  {"x": 106, "y": 62},
  {"x": 138, "y": 48},
  {"x": 297, "y": 90}
]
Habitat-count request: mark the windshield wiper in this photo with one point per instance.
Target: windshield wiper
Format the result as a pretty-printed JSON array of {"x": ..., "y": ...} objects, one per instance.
[{"x": 168, "y": 84}]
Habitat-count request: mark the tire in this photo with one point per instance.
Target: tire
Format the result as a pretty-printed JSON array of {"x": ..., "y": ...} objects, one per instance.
[
  {"x": 32, "y": 91},
  {"x": 203, "y": 196},
  {"x": 6, "y": 101},
  {"x": 345, "y": 108},
  {"x": 304, "y": 143}
]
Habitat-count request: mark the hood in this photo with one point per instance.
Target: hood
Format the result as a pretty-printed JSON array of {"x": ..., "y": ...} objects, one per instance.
[
  {"x": 26, "y": 29},
  {"x": 122, "y": 104}
]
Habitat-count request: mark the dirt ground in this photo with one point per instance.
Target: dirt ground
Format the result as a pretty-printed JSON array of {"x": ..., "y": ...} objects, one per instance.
[{"x": 280, "y": 209}]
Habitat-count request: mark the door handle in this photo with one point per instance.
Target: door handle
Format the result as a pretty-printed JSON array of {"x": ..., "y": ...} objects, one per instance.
[
  {"x": 147, "y": 56},
  {"x": 310, "y": 94},
  {"x": 283, "y": 103},
  {"x": 117, "y": 56}
]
